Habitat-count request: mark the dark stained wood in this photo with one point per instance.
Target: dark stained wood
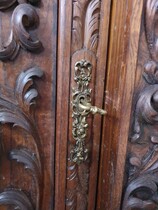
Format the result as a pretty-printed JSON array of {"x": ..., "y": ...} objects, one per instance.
[
  {"x": 24, "y": 16},
  {"x": 140, "y": 189},
  {"x": 17, "y": 176}
]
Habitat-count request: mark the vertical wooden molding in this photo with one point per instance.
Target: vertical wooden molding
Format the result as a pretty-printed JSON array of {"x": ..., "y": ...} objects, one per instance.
[
  {"x": 63, "y": 85},
  {"x": 141, "y": 191},
  {"x": 18, "y": 110},
  {"x": 85, "y": 36}
]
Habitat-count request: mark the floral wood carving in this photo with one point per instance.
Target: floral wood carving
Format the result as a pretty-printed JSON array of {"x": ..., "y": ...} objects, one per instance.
[
  {"x": 24, "y": 16},
  {"x": 85, "y": 32},
  {"x": 85, "y": 35},
  {"x": 141, "y": 191},
  {"x": 18, "y": 110}
]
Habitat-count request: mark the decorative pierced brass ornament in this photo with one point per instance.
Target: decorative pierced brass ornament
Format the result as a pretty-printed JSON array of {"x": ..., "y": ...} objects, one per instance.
[{"x": 81, "y": 105}]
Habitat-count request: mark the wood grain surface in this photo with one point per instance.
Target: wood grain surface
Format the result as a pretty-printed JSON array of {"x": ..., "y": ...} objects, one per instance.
[{"x": 122, "y": 61}]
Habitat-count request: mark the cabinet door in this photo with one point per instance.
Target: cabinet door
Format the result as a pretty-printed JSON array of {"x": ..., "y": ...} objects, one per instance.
[{"x": 55, "y": 50}]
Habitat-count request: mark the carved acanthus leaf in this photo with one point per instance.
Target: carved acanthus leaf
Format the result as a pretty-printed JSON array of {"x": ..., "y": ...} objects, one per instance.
[
  {"x": 85, "y": 29},
  {"x": 16, "y": 198},
  {"x": 16, "y": 111},
  {"x": 135, "y": 199},
  {"x": 29, "y": 159},
  {"x": 151, "y": 72},
  {"x": 24, "y": 92},
  {"x": 31, "y": 162},
  {"x": 24, "y": 16},
  {"x": 91, "y": 33},
  {"x": 142, "y": 164},
  {"x": 142, "y": 188},
  {"x": 146, "y": 110}
]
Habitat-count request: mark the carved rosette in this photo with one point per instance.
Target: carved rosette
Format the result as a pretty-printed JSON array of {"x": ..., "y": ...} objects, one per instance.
[
  {"x": 24, "y": 17},
  {"x": 18, "y": 110},
  {"x": 85, "y": 35},
  {"x": 141, "y": 191}
]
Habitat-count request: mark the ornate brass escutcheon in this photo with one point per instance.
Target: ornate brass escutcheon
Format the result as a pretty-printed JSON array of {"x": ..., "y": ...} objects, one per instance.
[{"x": 81, "y": 105}]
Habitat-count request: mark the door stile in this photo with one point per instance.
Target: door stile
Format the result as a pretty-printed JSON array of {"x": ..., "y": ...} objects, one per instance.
[
  {"x": 122, "y": 61},
  {"x": 99, "y": 98}
]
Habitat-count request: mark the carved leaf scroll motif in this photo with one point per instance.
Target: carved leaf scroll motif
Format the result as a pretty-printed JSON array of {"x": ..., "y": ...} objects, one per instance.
[
  {"x": 24, "y": 17},
  {"x": 141, "y": 191},
  {"x": 85, "y": 31},
  {"x": 18, "y": 111},
  {"x": 85, "y": 36}
]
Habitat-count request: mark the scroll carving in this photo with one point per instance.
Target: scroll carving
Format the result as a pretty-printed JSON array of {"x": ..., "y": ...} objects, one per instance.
[
  {"x": 85, "y": 35},
  {"x": 15, "y": 198},
  {"x": 141, "y": 191},
  {"x": 18, "y": 110},
  {"x": 24, "y": 16}
]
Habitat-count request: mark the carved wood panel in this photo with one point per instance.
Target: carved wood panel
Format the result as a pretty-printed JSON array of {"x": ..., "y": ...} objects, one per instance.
[
  {"x": 17, "y": 109},
  {"x": 27, "y": 128},
  {"x": 142, "y": 158}
]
